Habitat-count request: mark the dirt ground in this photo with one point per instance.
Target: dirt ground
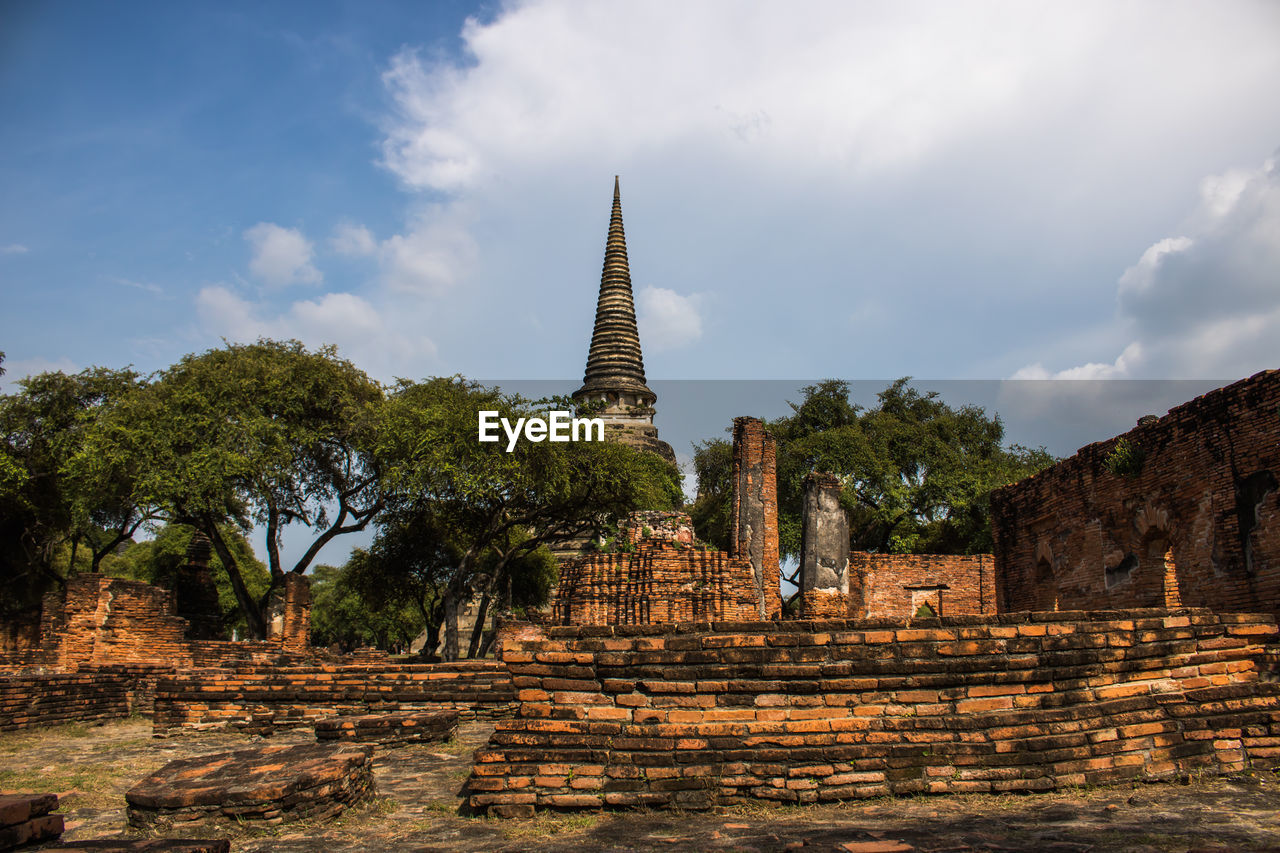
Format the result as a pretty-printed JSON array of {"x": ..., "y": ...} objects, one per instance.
[{"x": 416, "y": 809}]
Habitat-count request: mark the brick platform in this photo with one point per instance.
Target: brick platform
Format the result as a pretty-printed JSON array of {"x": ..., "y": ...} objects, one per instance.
[
  {"x": 25, "y": 819},
  {"x": 262, "y": 699},
  {"x": 817, "y": 711},
  {"x": 390, "y": 729},
  {"x": 273, "y": 784}
]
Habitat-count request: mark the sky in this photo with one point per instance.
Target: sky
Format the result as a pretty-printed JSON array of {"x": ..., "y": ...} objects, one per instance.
[{"x": 950, "y": 190}]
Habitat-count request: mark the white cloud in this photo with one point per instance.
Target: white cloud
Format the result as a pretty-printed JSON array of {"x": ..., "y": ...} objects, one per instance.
[
  {"x": 14, "y": 249},
  {"x": 435, "y": 253},
  {"x": 357, "y": 327},
  {"x": 21, "y": 368},
  {"x": 353, "y": 240},
  {"x": 666, "y": 319},
  {"x": 138, "y": 285},
  {"x": 281, "y": 255},
  {"x": 1206, "y": 304},
  {"x": 826, "y": 87}
]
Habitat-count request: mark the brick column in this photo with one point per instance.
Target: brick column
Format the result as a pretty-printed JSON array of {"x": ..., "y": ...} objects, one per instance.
[
  {"x": 824, "y": 549},
  {"x": 753, "y": 533},
  {"x": 289, "y": 618}
]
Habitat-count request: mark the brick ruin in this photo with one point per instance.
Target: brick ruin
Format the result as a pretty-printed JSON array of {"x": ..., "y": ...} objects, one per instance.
[
  {"x": 903, "y": 586},
  {"x": 1182, "y": 509},
  {"x": 696, "y": 716},
  {"x": 660, "y": 575}
]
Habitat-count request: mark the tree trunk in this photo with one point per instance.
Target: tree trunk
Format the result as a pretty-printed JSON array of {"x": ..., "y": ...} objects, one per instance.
[
  {"x": 255, "y": 622},
  {"x": 477, "y": 630},
  {"x": 450, "y": 623}
]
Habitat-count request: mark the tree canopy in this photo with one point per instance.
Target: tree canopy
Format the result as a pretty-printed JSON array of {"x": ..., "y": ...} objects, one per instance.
[{"x": 917, "y": 472}]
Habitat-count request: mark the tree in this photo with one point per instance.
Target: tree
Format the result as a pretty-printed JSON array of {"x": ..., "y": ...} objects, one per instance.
[
  {"x": 49, "y": 518},
  {"x": 269, "y": 434},
  {"x": 343, "y": 615},
  {"x": 160, "y": 559},
  {"x": 495, "y": 509},
  {"x": 917, "y": 473}
]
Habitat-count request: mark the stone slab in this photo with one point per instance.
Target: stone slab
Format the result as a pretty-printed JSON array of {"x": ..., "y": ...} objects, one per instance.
[
  {"x": 390, "y": 729},
  {"x": 19, "y": 808},
  {"x": 272, "y": 784}
]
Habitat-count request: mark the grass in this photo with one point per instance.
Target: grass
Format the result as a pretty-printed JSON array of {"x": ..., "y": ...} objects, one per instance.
[
  {"x": 546, "y": 825},
  {"x": 95, "y": 786}
]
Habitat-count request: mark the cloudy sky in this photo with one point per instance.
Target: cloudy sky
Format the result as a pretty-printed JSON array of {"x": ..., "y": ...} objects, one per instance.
[{"x": 867, "y": 190}]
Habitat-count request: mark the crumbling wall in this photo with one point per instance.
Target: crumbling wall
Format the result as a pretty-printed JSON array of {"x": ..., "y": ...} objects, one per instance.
[
  {"x": 820, "y": 711},
  {"x": 897, "y": 586},
  {"x": 753, "y": 527},
  {"x": 263, "y": 698},
  {"x": 1182, "y": 509},
  {"x": 658, "y": 581}
]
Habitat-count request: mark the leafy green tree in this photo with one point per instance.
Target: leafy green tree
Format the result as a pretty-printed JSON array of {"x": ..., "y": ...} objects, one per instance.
[
  {"x": 917, "y": 473},
  {"x": 51, "y": 522},
  {"x": 495, "y": 509},
  {"x": 159, "y": 560},
  {"x": 268, "y": 434},
  {"x": 343, "y": 615}
]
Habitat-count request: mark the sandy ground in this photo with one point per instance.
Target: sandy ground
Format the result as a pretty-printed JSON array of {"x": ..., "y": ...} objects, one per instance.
[{"x": 418, "y": 797}]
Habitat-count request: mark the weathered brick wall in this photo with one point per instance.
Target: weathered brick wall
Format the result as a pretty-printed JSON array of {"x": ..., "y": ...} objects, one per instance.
[
  {"x": 810, "y": 711},
  {"x": 99, "y": 620},
  {"x": 753, "y": 527},
  {"x": 34, "y": 700},
  {"x": 261, "y": 699},
  {"x": 893, "y": 586},
  {"x": 660, "y": 581},
  {"x": 1196, "y": 523}
]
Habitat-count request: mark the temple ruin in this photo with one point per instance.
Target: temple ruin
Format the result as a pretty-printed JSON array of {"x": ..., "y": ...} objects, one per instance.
[{"x": 1182, "y": 510}]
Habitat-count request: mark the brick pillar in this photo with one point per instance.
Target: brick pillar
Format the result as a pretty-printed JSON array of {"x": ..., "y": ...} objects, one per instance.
[
  {"x": 289, "y": 617},
  {"x": 753, "y": 533},
  {"x": 824, "y": 549}
]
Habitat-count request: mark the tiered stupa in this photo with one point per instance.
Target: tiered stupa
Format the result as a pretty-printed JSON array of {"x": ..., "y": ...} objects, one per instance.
[{"x": 615, "y": 367}]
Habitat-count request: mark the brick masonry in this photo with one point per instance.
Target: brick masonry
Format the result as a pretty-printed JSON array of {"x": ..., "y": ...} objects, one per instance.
[
  {"x": 894, "y": 586},
  {"x": 265, "y": 698},
  {"x": 660, "y": 580},
  {"x": 1195, "y": 520},
  {"x": 702, "y": 715}
]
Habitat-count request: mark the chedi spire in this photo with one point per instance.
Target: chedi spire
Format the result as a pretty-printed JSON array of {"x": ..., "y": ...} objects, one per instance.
[
  {"x": 614, "y": 378},
  {"x": 615, "y": 362}
]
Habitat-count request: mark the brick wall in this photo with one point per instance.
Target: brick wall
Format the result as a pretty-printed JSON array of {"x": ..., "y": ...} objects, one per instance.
[
  {"x": 822, "y": 711},
  {"x": 660, "y": 581},
  {"x": 753, "y": 527},
  {"x": 1197, "y": 522},
  {"x": 98, "y": 621},
  {"x": 895, "y": 585},
  {"x": 813, "y": 711},
  {"x": 261, "y": 699},
  {"x": 35, "y": 700}
]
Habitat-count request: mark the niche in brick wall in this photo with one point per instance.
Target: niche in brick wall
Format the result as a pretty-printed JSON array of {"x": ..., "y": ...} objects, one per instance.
[
  {"x": 1251, "y": 491},
  {"x": 1122, "y": 571}
]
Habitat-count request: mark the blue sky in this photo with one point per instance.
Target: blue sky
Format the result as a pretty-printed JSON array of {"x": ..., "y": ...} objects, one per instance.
[{"x": 866, "y": 190}]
